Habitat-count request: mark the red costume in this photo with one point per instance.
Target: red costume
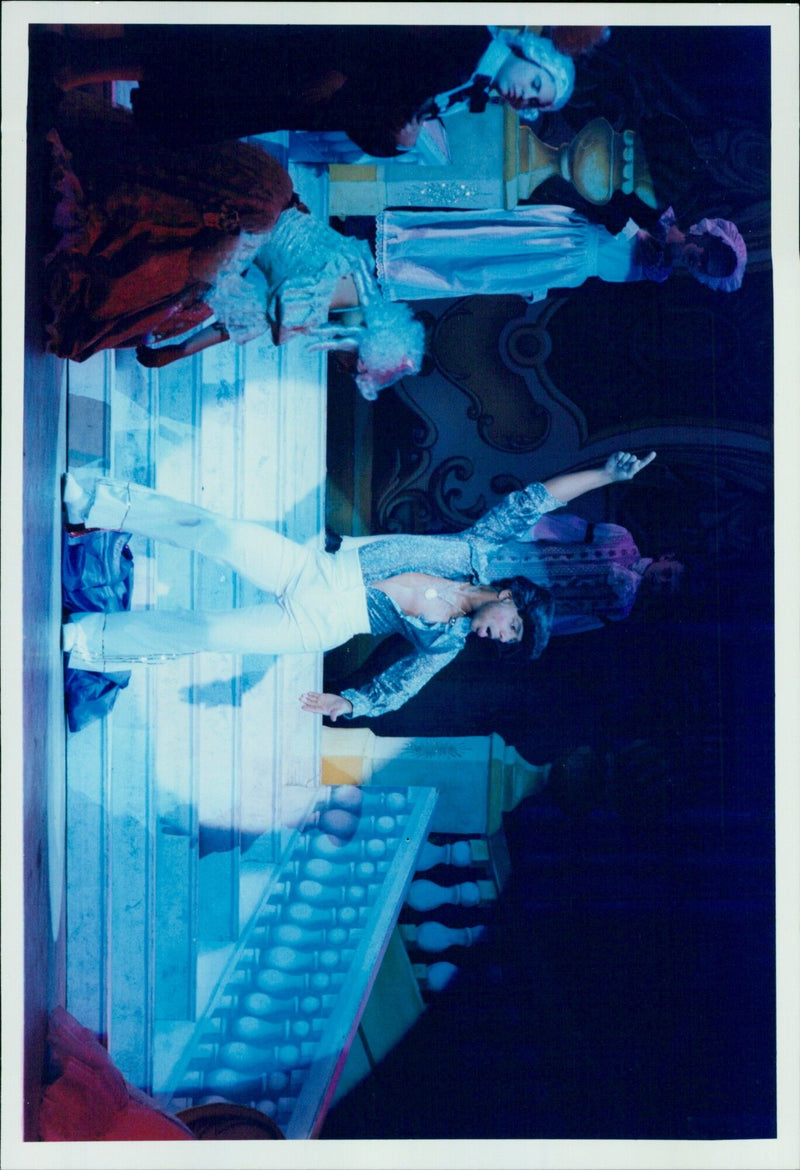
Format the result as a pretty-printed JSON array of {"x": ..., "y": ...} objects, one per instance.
[
  {"x": 91, "y": 1101},
  {"x": 145, "y": 231}
]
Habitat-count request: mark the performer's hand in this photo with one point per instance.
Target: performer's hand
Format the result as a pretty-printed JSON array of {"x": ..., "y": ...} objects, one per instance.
[
  {"x": 623, "y": 466},
  {"x": 619, "y": 466},
  {"x": 407, "y": 135},
  {"x": 331, "y": 705}
]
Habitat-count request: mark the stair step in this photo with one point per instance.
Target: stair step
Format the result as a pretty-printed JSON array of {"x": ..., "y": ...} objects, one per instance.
[
  {"x": 201, "y": 754},
  {"x": 175, "y": 912}
]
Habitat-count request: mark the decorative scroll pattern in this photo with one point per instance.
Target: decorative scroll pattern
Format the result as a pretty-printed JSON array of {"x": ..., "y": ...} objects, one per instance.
[
  {"x": 691, "y": 375},
  {"x": 467, "y": 350}
]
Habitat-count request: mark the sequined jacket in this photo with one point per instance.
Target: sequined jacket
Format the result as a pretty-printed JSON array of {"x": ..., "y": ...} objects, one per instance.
[{"x": 473, "y": 555}]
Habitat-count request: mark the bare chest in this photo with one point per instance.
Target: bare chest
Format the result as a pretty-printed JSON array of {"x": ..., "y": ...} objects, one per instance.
[{"x": 435, "y": 599}]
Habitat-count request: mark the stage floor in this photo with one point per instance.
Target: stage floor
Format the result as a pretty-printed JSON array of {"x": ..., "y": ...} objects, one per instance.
[{"x": 245, "y": 433}]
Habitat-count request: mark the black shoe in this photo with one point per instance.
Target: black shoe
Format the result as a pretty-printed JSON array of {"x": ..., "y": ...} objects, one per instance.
[{"x": 333, "y": 541}]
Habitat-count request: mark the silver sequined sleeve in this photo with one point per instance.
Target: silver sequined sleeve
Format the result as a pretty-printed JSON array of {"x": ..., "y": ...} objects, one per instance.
[
  {"x": 401, "y": 681},
  {"x": 514, "y": 516}
]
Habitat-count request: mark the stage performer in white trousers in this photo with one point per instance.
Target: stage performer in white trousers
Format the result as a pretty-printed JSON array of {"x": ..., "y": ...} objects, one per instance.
[{"x": 433, "y": 590}]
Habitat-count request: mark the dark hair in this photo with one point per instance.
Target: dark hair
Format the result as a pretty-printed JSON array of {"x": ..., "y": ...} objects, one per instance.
[{"x": 536, "y": 608}]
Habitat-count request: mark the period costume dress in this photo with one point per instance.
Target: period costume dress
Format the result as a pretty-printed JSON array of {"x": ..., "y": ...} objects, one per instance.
[
  {"x": 593, "y": 570},
  {"x": 528, "y": 251},
  {"x": 525, "y": 251},
  {"x": 145, "y": 233},
  {"x": 157, "y": 245}
]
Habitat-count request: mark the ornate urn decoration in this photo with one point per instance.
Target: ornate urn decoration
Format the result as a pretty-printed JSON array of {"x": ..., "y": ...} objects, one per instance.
[{"x": 597, "y": 162}]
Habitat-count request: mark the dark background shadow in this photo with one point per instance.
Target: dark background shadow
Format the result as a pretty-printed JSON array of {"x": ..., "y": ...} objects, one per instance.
[{"x": 627, "y": 988}]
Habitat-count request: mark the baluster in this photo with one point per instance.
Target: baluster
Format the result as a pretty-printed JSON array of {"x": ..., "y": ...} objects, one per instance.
[
  {"x": 302, "y": 914},
  {"x": 257, "y": 1003},
  {"x": 287, "y": 959},
  {"x": 317, "y": 894},
  {"x": 285, "y": 983},
  {"x": 321, "y": 870},
  {"x": 338, "y": 828},
  {"x": 434, "y": 936},
  {"x": 425, "y": 895},
  {"x": 266, "y": 1031},
  {"x": 457, "y": 853},
  {"x": 241, "y": 1057},
  {"x": 256, "y": 1031},
  {"x": 360, "y": 849},
  {"x": 301, "y": 937},
  {"x": 435, "y": 976}
]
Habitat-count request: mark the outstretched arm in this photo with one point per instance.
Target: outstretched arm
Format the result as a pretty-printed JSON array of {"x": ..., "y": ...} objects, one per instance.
[
  {"x": 331, "y": 705},
  {"x": 619, "y": 467},
  {"x": 387, "y": 691},
  {"x": 513, "y": 518}
]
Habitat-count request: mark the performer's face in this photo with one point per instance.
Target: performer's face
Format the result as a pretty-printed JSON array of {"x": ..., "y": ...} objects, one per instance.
[
  {"x": 664, "y": 575},
  {"x": 702, "y": 252},
  {"x": 524, "y": 85},
  {"x": 499, "y": 620},
  {"x": 694, "y": 253}
]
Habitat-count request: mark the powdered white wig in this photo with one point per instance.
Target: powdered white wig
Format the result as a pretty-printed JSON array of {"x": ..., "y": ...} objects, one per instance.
[
  {"x": 724, "y": 230},
  {"x": 542, "y": 52}
]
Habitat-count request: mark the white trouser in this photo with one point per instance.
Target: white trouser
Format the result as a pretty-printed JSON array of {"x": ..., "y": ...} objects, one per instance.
[{"x": 319, "y": 602}]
